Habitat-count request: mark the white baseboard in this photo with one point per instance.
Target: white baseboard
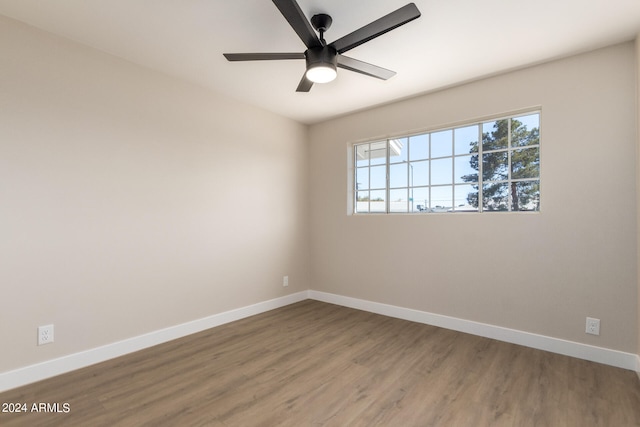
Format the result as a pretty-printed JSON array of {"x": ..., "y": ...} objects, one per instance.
[
  {"x": 568, "y": 348},
  {"x": 51, "y": 368}
]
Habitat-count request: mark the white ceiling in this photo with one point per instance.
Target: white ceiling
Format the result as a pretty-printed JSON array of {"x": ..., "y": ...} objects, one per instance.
[{"x": 454, "y": 41}]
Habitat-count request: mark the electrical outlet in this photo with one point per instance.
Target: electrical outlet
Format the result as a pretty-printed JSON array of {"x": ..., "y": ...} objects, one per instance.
[
  {"x": 285, "y": 281},
  {"x": 593, "y": 326},
  {"x": 45, "y": 334}
]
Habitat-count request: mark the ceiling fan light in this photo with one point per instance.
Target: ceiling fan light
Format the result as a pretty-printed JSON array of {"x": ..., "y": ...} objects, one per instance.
[
  {"x": 322, "y": 62},
  {"x": 322, "y": 73}
]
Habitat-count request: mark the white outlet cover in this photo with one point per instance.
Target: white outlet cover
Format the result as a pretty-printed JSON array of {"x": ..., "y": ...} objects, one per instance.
[
  {"x": 593, "y": 326},
  {"x": 45, "y": 334}
]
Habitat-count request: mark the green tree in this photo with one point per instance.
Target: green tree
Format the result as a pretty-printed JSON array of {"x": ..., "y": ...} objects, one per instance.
[{"x": 525, "y": 163}]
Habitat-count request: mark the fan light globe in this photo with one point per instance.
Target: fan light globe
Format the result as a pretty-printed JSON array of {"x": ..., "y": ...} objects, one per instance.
[{"x": 321, "y": 73}]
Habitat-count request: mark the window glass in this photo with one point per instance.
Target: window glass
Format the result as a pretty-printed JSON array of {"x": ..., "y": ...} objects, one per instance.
[
  {"x": 495, "y": 135},
  {"x": 525, "y": 196},
  {"x": 378, "y": 177},
  {"x": 398, "y": 175},
  {"x": 377, "y": 201},
  {"x": 464, "y": 169},
  {"x": 377, "y": 153},
  {"x": 525, "y": 130},
  {"x": 441, "y": 143},
  {"x": 398, "y": 200},
  {"x": 419, "y": 147},
  {"x": 441, "y": 198},
  {"x": 398, "y": 150},
  {"x": 419, "y": 198},
  {"x": 419, "y": 173},
  {"x": 495, "y": 196},
  {"x": 466, "y": 140},
  {"x": 362, "y": 201},
  {"x": 362, "y": 155},
  {"x": 362, "y": 179},
  {"x": 525, "y": 163},
  {"x": 442, "y": 171},
  {"x": 489, "y": 166},
  {"x": 465, "y": 198},
  {"x": 495, "y": 166}
]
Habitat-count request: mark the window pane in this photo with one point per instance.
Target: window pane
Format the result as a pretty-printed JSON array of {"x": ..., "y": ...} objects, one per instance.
[
  {"x": 525, "y": 196},
  {"x": 442, "y": 171},
  {"x": 398, "y": 200},
  {"x": 419, "y": 173},
  {"x": 362, "y": 202},
  {"x": 398, "y": 175},
  {"x": 441, "y": 198},
  {"x": 495, "y": 135},
  {"x": 466, "y": 140},
  {"x": 377, "y": 202},
  {"x": 525, "y": 163},
  {"x": 494, "y": 166},
  {"x": 495, "y": 196},
  {"x": 378, "y": 153},
  {"x": 362, "y": 154},
  {"x": 362, "y": 178},
  {"x": 525, "y": 130},
  {"x": 465, "y": 170},
  {"x": 441, "y": 143},
  {"x": 419, "y": 147},
  {"x": 378, "y": 177},
  {"x": 398, "y": 149},
  {"x": 465, "y": 198},
  {"x": 419, "y": 198}
]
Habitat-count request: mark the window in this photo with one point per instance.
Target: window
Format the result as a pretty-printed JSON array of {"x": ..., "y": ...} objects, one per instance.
[{"x": 491, "y": 166}]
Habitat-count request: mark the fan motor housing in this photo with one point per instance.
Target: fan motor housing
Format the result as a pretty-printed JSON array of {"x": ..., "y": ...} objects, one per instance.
[{"x": 321, "y": 55}]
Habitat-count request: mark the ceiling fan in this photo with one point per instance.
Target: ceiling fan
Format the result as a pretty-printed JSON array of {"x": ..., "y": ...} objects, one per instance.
[{"x": 322, "y": 58}]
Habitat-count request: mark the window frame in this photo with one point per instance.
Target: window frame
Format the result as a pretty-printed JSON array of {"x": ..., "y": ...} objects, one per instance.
[{"x": 409, "y": 188}]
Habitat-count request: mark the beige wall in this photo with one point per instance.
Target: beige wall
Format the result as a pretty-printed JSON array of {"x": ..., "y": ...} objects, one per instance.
[
  {"x": 130, "y": 201},
  {"x": 542, "y": 273}
]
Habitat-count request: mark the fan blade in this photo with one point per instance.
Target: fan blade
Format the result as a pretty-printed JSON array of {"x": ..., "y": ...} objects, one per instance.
[
  {"x": 377, "y": 28},
  {"x": 261, "y": 56},
  {"x": 364, "y": 68},
  {"x": 304, "y": 85},
  {"x": 298, "y": 21}
]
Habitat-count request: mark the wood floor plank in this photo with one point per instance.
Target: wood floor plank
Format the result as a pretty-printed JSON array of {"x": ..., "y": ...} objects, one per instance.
[{"x": 318, "y": 364}]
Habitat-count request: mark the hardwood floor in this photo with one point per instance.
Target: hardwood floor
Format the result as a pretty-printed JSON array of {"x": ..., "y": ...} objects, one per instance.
[{"x": 317, "y": 364}]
